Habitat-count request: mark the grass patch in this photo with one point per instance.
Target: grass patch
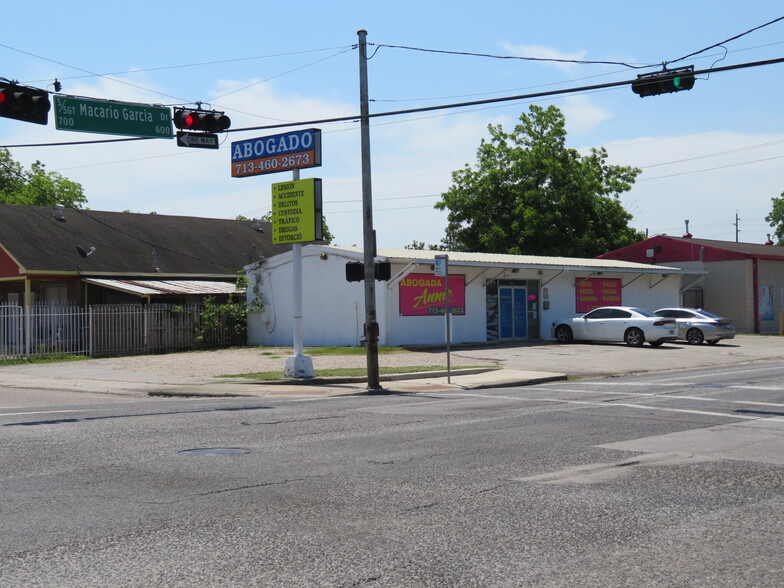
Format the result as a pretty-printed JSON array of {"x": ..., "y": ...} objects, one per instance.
[
  {"x": 346, "y": 372},
  {"x": 43, "y": 359}
]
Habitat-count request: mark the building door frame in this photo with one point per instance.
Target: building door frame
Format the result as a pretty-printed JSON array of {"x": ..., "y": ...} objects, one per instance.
[{"x": 512, "y": 312}]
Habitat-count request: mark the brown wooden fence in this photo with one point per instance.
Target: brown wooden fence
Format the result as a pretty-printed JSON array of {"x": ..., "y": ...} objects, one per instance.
[{"x": 114, "y": 329}]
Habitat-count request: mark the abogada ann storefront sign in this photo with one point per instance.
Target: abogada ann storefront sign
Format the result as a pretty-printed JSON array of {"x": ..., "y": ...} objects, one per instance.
[{"x": 424, "y": 295}]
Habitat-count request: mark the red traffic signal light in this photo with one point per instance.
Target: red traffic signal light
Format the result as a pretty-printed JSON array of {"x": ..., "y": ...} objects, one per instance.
[
  {"x": 24, "y": 103},
  {"x": 201, "y": 120},
  {"x": 673, "y": 80}
]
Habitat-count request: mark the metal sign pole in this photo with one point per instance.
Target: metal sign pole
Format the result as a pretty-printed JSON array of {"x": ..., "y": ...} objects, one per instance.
[
  {"x": 442, "y": 269},
  {"x": 448, "y": 326},
  {"x": 298, "y": 366}
]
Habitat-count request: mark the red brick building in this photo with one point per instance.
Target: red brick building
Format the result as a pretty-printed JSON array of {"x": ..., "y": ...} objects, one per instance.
[{"x": 742, "y": 281}]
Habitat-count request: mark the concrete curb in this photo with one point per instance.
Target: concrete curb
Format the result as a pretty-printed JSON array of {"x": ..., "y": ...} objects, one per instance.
[{"x": 470, "y": 379}]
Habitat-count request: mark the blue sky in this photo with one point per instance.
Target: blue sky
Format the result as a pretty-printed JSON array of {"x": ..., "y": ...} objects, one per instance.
[{"x": 707, "y": 154}]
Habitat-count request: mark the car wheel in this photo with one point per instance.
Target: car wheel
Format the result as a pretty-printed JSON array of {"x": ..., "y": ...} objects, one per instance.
[
  {"x": 634, "y": 337},
  {"x": 694, "y": 337},
  {"x": 563, "y": 334}
]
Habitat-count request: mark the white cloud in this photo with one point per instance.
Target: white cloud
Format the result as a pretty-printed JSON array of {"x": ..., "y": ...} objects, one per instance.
[
  {"x": 705, "y": 178},
  {"x": 582, "y": 115}
]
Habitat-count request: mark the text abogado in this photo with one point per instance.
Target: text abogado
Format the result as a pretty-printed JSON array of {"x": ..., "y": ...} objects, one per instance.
[
  {"x": 422, "y": 282},
  {"x": 276, "y": 153},
  {"x": 425, "y": 295},
  {"x": 277, "y": 145}
]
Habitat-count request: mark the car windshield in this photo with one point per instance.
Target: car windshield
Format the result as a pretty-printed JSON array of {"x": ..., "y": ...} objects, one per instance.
[{"x": 644, "y": 312}]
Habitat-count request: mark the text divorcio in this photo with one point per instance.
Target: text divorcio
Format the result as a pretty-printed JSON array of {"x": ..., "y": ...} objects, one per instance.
[{"x": 296, "y": 211}]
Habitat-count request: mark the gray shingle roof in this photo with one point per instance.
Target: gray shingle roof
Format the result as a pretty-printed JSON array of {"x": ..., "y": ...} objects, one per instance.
[{"x": 131, "y": 243}]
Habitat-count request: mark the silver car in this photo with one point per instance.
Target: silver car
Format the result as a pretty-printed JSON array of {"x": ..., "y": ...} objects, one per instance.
[
  {"x": 696, "y": 325},
  {"x": 633, "y": 325}
]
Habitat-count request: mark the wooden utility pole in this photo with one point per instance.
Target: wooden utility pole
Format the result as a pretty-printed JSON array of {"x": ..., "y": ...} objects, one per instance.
[{"x": 369, "y": 235}]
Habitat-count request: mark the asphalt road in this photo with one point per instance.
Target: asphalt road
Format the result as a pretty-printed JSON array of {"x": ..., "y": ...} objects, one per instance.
[{"x": 659, "y": 479}]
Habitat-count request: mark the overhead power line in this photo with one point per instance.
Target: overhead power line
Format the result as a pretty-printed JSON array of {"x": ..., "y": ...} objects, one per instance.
[
  {"x": 576, "y": 61},
  {"x": 513, "y": 57},
  {"x": 355, "y": 117},
  {"x": 743, "y": 34},
  {"x": 91, "y": 73},
  {"x": 183, "y": 65}
]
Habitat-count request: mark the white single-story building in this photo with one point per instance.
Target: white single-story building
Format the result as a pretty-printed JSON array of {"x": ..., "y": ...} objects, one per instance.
[{"x": 493, "y": 297}]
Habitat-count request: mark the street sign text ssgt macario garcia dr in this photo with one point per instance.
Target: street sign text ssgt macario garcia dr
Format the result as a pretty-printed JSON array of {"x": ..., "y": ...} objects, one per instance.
[{"x": 110, "y": 117}]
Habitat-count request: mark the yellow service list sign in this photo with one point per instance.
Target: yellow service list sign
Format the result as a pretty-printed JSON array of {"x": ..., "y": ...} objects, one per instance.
[{"x": 296, "y": 211}]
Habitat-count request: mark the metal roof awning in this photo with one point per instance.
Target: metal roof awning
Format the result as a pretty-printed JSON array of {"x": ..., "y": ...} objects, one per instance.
[
  {"x": 502, "y": 260},
  {"x": 162, "y": 287}
]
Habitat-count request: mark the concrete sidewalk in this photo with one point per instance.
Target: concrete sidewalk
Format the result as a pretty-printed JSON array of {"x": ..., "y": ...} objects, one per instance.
[{"x": 466, "y": 379}]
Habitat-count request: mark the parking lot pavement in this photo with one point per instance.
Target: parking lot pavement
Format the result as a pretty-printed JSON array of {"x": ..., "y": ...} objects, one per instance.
[{"x": 595, "y": 359}]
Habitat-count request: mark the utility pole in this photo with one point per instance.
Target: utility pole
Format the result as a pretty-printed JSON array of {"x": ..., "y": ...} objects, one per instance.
[
  {"x": 737, "y": 226},
  {"x": 369, "y": 235}
]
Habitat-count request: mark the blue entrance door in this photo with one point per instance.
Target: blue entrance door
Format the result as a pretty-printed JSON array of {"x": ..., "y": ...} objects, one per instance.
[{"x": 512, "y": 312}]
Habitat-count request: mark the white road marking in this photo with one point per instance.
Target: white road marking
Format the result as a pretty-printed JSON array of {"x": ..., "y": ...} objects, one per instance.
[
  {"x": 667, "y": 396},
  {"x": 629, "y": 405},
  {"x": 4, "y": 414},
  {"x": 680, "y": 384}
]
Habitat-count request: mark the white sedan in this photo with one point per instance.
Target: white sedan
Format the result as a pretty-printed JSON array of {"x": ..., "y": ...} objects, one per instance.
[{"x": 635, "y": 326}]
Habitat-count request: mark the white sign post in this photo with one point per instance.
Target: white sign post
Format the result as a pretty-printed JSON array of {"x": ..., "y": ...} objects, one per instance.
[{"x": 442, "y": 270}]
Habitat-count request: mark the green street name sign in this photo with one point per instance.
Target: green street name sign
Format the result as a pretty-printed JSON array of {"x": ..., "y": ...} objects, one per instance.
[{"x": 109, "y": 117}]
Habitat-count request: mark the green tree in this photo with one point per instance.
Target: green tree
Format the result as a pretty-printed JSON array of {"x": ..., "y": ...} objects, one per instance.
[
  {"x": 776, "y": 219},
  {"x": 36, "y": 186},
  {"x": 420, "y": 246},
  {"x": 530, "y": 194},
  {"x": 327, "y": 236}
]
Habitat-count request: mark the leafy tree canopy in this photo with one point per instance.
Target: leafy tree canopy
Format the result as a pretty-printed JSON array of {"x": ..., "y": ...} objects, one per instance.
[
  {"x": 420, "y": 246},
  {"x": 529, "y": 194},
  {"x": 36, "y": 186},
  {"x": 776, "y": 219}
]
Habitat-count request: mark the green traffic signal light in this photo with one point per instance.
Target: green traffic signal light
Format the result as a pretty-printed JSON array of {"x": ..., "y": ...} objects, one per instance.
[{"x": 664, "y": 82}]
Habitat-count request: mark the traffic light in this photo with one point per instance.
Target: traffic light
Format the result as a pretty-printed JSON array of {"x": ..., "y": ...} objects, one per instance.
[
  {"x": 355, "y": 271},
  {"x": 673, "y": 80},
  {"x": 201, "y": 120},
  {"x": 24, "y": 103}
]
